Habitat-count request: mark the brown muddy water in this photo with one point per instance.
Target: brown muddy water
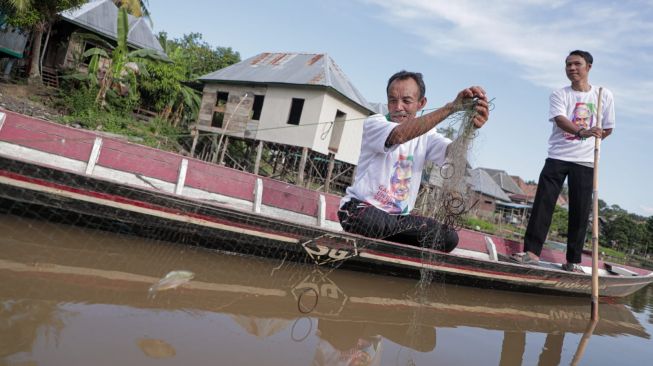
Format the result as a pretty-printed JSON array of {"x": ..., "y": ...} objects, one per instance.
[{"x": 73, "y": 296}]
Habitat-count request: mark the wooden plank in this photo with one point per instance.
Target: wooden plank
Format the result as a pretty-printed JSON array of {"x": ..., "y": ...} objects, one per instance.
[
  {"x": 141, "y": 160},
  {"x": 220, "y": 179},
  {"x": 332, "y": 207},
  {"x": 95, "y": 155},
  {"x": 258, "y": 195},
  {"x": 290, "y": 197},
  {"x": 181, "y": 179},
  {"x": 47, "y": 136},
  {"x": 321, "y": 211}
]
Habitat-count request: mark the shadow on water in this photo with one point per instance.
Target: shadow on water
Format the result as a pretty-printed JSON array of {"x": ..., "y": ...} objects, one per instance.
[{"x": 71, "y": 295}]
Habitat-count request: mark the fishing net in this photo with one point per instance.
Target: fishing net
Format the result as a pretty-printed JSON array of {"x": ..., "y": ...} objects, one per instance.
[{"x": 88, "y": 195}]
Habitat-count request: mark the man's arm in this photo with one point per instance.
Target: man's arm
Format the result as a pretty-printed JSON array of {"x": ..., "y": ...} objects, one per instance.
[{"x": 415, "y": 127}]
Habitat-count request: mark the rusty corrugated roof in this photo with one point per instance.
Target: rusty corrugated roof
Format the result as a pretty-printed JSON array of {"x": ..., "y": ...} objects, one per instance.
[{"x": 291, "y": 68}]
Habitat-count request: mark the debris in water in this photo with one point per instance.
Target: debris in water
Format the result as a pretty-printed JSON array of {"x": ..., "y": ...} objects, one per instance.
[
  {"x": 156, "y": 348},
  {"x": 172, "y": 280}
]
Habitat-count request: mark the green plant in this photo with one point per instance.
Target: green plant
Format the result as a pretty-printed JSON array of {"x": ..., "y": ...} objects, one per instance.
[{"x": 479, "y": 224}]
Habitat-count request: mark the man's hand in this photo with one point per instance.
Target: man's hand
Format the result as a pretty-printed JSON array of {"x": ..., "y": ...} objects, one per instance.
[
  {"x": 475, "y": 95},
  {"x": 594, "y": 131}
]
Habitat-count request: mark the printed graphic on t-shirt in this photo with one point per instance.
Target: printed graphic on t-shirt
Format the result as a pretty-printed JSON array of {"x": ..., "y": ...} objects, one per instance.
[
  {"x": 583, "y": 117},
  {"x": 394, "y": 197}
]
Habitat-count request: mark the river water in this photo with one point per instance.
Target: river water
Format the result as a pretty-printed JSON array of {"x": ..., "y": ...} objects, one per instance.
[{"x": 75, "y": 296}]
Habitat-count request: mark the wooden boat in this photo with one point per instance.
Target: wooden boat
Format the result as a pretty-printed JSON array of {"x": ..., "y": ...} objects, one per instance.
[{"x": 61, "y": 173}]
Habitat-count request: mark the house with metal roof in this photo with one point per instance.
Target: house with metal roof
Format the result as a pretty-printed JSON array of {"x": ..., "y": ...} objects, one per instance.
[
  {"x": 486, "y": 191},
  {"x": 64, "y": 43},
  {"x": 297, "y": 99},
  {"x": 504, "y": 180}
]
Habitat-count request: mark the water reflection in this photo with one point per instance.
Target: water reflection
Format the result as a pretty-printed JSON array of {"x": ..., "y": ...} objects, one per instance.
[{"x": 71, "y": 294}]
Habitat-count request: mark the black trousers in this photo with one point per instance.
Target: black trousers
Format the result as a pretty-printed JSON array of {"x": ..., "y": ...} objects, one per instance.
[
  {"x": 363, "y": 219},
  {"x": 580, "y": 203}
]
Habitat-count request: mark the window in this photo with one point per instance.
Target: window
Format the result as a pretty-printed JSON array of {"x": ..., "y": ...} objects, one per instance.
[
  {"x": 257, "y": 107},
  {"x": 219, "y": 109},
  {"x": 295, "y": 111}
]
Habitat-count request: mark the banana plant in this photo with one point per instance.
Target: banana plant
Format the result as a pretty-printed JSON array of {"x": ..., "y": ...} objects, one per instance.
[{"x": 124, "y": 64}]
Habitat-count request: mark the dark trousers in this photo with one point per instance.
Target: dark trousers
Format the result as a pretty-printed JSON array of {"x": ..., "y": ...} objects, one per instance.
[
  {"x": 363, "y": 219},
  {"x": 580, "y": 203}
]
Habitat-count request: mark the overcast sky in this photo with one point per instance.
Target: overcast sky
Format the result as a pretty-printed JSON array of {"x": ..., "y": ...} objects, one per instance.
[{"x": 515, "y": 49}]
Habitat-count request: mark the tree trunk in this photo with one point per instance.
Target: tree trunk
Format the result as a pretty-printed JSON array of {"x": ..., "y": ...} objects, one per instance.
[
  {"x": 165, "y": 114},
  {"x": 176, "y": 117},
  {"x": 105, "y": 83},
  {"x": 37, "y": 39}
]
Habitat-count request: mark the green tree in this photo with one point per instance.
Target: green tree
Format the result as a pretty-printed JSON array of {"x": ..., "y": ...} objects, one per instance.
[
  {"x": 164, "y": 89},
  {"x": 624, "y": 232},
  {"x": 559, "y": 221},
  {"x": 37, "y": 15},
  {"x": 198, "y": 57},
  {"x": 649, "y": 235}
]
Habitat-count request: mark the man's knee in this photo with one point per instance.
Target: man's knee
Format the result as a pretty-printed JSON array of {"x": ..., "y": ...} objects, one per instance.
[
  {"x": 450, "y": 240},
  {"x": 442, "y": 238},
  {"x": 366, "y": 221}
]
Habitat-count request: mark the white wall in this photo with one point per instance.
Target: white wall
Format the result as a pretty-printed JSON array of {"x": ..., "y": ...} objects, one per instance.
[
  {"x": 314, "y": 130},
  {"x": 350, "y": 142}
]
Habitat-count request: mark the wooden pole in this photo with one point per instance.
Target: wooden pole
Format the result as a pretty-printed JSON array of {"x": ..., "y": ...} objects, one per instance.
[
  {"x": 595, "y": 217},
  {"x": 224, "y": 150},
  {"x": 327, "y": 183},
  {"x": 214, "y": 158},
  {"x": 259, "y": 153},
  {"x": 583, "y": 341},
  {"x": 196, "y": 135},
  {"x": 302, "y": 166}
]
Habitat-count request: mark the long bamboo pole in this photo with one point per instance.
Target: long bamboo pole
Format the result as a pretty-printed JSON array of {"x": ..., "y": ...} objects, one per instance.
[
  {"x": 580, "y": 351},
  {"x": 595, "y": 217}
]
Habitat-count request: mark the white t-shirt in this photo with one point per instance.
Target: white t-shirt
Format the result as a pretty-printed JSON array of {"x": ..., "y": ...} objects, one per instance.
[
  {"x": 580, "y": 109},
  {"x": 389, "y": 178}
]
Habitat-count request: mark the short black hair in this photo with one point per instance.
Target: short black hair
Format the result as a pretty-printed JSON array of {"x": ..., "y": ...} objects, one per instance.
[
  {"x": 403, "y": 75},
  {"x": 584, "y": 54}
]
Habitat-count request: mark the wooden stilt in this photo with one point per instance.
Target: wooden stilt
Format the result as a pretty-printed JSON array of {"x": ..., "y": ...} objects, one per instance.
[
  {"x": 327, "y": 183},
  {"x": 259, "y": 153},
  {"x": 196, "y": 135},
  {"x": 216, "y": 146},
  {"x": 224, "y": 149},
  {"x": 302, "y": 166}
]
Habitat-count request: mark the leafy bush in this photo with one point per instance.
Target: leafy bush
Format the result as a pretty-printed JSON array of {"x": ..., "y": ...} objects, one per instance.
[{"x": 479, "y": 224}]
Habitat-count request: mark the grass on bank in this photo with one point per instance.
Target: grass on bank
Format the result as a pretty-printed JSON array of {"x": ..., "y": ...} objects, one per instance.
[{"x": 117, "y": 118}]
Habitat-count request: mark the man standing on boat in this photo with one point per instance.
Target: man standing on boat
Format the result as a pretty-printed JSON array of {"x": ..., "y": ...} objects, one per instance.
[
  {"x": 572, "y": 110},
  {"x": 393, "y": 153}
]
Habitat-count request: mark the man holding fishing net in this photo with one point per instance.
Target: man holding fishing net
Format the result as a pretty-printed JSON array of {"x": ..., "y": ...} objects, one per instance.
[
  {"x": 573, "y": 111},
  {"x": 394, "y": 150}
]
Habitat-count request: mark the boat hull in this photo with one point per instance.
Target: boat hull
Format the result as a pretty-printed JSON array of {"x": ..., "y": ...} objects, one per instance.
[{"x": 78, "y": 195}]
